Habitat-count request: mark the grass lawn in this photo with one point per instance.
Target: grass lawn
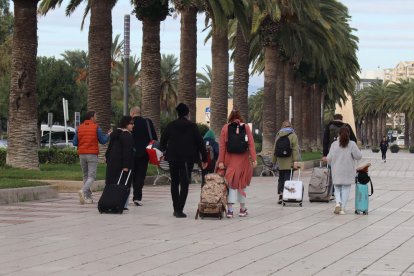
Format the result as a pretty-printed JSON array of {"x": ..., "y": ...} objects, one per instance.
[
  {"x": 57, "y": 171},
  {"x": 6, "y": 183}
]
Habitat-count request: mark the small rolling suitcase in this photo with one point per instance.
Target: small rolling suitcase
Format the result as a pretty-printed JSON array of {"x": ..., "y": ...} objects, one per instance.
[
  {"x": 114, "y": 196},
  {"x": 293, "y": 191},
  {"x": 361, "y": 191},
  {"x": 213, "y": 197},
  {"x": 320, "y": 184}
]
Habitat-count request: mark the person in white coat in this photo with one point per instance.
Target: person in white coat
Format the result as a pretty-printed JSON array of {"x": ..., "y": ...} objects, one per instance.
[{"x": 342, "y": 156}]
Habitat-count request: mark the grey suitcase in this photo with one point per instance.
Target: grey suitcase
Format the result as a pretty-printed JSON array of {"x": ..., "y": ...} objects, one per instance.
[{"x": 320, "y": 184}]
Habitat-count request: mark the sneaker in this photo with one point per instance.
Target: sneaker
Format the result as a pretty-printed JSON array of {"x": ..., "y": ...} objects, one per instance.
[
  {"x": 337, "y": 208},
  {"x": 385, "y": 161},
  {"x": 126, "y": 210},
  {"x": 81, "y": 197},
  {"x": 180, "y": 215},
  {"x": 342, "y": 212},
  {"x": 88, "y": 201},
  {"x": 332, "y": 197},
  {"x": 243, "y": 212},
  {"x": 229, "y": 214},
  {"x": 138, "y": 202}
]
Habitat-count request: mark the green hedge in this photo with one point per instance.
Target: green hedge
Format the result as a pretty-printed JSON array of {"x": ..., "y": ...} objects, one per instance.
[{"x": 51, "y": 156}]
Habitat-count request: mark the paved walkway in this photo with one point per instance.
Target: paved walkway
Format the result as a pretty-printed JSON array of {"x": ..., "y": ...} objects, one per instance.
[{"x": 60, "y": 237}]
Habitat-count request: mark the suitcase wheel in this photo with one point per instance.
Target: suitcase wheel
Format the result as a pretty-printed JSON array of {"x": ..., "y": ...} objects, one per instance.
[
  {"x": 356, "y": 212},
  {"x": 300, "y": 204},
  {"x": 365, "y": 213},
  {"x": 283, "y": 204}
]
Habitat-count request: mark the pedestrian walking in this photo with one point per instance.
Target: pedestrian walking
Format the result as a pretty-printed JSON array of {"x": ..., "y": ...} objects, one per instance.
[
  {"x": 120, "y": 153},
  {"x": 384, "y": 148},
  {"x": 331, "y": 134},
  {"x": 86, "y": 138},
  {"x": 237, "y": 157},
  {"x": 342, "y": 157},
  {"x": 286, "y": 155},
  {"x": 183, "y": 145},
  {"x": 212, "y": 148},
  {"x": 142, "y": 132}
]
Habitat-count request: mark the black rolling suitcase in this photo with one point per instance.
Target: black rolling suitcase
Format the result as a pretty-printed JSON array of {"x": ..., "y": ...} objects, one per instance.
[{"x": 114, "y": 196}]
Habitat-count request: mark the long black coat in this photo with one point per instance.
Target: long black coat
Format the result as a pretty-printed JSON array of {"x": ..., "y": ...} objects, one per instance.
[
  {"x": 119, "y": 155},
  {"x": 141, "y": 135}
]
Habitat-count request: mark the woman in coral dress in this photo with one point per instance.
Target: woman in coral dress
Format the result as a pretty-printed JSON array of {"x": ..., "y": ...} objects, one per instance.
[{"x": 238, "y": 158}]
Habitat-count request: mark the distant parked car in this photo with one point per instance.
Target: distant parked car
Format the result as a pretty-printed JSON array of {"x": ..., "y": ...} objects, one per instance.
[
  {"x": 3, "y": 144},
  {"x": 58, "y": 139},
  {"x": 400, "y": 141}
]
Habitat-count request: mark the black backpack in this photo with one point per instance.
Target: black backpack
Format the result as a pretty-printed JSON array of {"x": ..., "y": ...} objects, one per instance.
[
  {"x": 333, "y": 133},
  {"x": 283, "y": 148},
  {"x": 237, "y": 141}
]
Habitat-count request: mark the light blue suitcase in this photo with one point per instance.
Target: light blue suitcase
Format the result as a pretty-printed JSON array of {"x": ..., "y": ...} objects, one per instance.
[{"x": 361, "y": 199}]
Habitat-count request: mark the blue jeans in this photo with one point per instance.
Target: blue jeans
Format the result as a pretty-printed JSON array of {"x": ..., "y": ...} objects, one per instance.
[{"x": 342, "y": 194}]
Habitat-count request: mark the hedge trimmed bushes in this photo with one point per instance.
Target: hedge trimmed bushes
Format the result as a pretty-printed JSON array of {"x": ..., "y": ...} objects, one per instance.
[
  {"x": 394, "y": 148},
  {"x": 52, "y": 156}
]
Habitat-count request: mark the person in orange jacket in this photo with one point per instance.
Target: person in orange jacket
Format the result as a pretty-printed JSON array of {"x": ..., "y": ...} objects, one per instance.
[{"x": 87, "y": 137}]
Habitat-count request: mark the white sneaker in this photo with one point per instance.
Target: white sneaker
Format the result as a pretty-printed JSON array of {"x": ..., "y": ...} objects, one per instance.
[
  {"x": 342, "y": 212},
  {"x": 81, "y": 197},
  {"x": 88, "y": 201},
  {"x": 138, "y": 202},
  {"x": 337, "y": 208}
]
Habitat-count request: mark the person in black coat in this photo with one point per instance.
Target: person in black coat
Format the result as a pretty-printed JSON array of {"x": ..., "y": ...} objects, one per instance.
[
  {"x": 142, "y": 133},
  {"x": 183, "y": 144},
  {"x": 120, "y": 153},
  {"x": 384, "y": 148}
]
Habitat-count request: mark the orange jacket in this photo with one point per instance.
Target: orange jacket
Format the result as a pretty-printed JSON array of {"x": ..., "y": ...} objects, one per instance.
[{"x": 88, "y": 138}]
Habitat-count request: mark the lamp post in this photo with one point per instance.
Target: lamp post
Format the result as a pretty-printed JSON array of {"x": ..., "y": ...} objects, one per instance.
[{"x": 126, "y": 61}]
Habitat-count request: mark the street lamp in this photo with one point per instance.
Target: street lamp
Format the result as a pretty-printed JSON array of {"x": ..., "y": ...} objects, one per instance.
[{"x": 126, "y": 61}]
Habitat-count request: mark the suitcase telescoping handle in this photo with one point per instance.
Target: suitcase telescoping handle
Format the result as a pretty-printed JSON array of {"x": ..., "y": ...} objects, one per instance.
[
  {"x": 122, "y": 173},
  {"x": 291, "y": 173},
  {"x": 321, "y": 164}
]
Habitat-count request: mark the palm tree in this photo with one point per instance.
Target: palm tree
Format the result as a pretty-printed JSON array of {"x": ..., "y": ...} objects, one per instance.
[
  {"x": 151, "y": 13},
  {"x": 169, "y": 79},
  {"x": 23, "y": 128},
  {"x": 188, "y": 52},
  {"x": 204, "y": 83},
  {"x": 99, "y": 48}
]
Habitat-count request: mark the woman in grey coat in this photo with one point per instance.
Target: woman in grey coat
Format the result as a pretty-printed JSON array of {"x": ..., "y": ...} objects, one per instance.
[{"x": 342, "y": 156}]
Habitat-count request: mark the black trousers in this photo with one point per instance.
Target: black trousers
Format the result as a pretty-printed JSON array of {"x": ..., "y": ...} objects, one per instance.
[
  {"x": 139, "y": 173},
  {"x": 180, "y": 179},
  {"x": 283, "y": 176},
  {"x": 384, "y": 154}
]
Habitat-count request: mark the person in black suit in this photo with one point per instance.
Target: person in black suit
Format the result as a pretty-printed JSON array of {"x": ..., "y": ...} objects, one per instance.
[
  {"x": 141, "y": 136},
  {"x": 183, "y": 144}
]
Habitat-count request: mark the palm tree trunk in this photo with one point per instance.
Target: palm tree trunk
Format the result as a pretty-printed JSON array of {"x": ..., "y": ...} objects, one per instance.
[
  {"x": 411, "y": 133},
  {"x": 375, "y": 131},
  {"x": 406, "y": 130},
  {"x": 270, "y": 75},
  {"x": 369, "y": 130},
  {"x": 365, "y": 132},
  {"x": 318, "y": 116},
  {"x": 306, "y": 117},
  {"x": 151, "y": 71},
  {"x": 188, "y": 60},
  {"x": 23, "y": 129},
  {"x": 280, "y": 94},
  {"x": 220, "y": 79},
  {"x": 288, "y": 87},
  {"x": 99, "y": 45},
  {"x": 241, "y": 73},
  {"x": 297, "y": 109}
]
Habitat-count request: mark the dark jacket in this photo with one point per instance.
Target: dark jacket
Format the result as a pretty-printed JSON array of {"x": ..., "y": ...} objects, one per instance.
[
  {"x": 119, "y": 155},
  {"x": 327, "y": 140},
  {"x": 214, "y": 145},
  {"x": 384, "y": 145},
  {"x": 183, "y": 142},
  {"x": 141, "y": 136}
]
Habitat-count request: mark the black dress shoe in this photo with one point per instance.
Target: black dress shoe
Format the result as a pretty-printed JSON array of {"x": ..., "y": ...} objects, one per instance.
[{"x": 180, "y": 215}]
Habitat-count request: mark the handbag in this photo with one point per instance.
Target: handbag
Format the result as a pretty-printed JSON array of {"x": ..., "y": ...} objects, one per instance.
[{"x": 153, "y": 148}]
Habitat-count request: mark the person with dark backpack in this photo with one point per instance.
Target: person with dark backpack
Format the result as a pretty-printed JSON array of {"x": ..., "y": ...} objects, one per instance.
[
  {"x": 212, "y": 148},
  {"x": 237, "y": 157},
  {"x": 286, "y": 154}
]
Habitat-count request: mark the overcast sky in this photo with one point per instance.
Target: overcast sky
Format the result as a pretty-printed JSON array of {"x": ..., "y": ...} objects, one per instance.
[{"x": 385, "y": 29}]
